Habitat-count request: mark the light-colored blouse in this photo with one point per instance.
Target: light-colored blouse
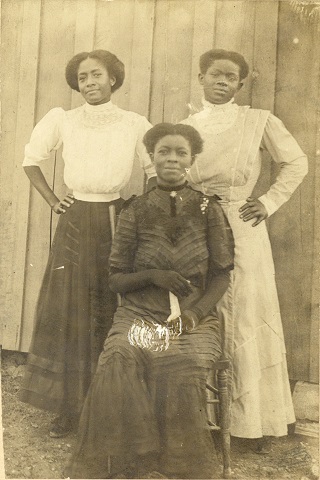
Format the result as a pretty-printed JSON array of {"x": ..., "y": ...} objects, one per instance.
[
  {"x": 99, "y": 145},
  {"x": 230, "y": 163}
]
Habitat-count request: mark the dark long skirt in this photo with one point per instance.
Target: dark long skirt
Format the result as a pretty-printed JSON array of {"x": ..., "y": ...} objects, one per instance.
[
  {"x": 146, "y": 410},
  {"x": 74, "y": 312}
]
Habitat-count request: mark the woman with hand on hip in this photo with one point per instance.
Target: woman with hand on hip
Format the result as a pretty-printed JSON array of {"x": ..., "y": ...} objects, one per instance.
[
  {"x": 75, "y": 307},
  {"x": 229, "y": 167}
]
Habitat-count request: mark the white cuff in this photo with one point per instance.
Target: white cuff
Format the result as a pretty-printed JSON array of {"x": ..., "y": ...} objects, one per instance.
[{"x": 269, "y": 205}]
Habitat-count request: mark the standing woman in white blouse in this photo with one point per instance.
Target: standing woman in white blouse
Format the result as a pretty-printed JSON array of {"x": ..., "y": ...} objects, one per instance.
[
  {"x": 229, "y": 167},
  {"x": 75, "y": 306}
]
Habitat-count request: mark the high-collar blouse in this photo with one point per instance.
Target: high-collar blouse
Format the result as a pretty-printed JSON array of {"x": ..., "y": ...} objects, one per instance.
[
  {"x": 230, "y": 163},
  {"x": 99, "y": 144}
]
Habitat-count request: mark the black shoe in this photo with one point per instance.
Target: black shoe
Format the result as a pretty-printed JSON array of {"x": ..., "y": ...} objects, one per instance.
[
  {"x": 61, "y": 426},
  {"x": 263, "y": 446}
]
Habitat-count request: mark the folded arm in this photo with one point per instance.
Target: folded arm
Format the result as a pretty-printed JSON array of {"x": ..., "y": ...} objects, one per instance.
[
  {"x": 221, "y": 257},
  {"x": 166, "y": 279}
]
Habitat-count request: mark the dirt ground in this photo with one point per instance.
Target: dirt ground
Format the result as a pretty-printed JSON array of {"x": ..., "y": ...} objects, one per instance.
[{"x": 30, "y": 453}]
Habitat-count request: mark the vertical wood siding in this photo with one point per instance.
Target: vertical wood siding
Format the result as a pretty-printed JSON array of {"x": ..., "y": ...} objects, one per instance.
[
  {"x": 25, "y": 51},
  {"x": 160, "y": 42},
  {"x": 292, "y": 229}
]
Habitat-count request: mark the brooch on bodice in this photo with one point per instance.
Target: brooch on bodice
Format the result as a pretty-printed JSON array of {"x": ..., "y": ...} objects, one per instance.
[{"x": 204, "y": 205}]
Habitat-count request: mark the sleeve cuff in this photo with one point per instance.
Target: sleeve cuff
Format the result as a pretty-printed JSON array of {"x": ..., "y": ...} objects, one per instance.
[
  {"x": 197, "y": 312},
  {"x": 269, "y": 205},
  {"x": 30, "y": 163}
]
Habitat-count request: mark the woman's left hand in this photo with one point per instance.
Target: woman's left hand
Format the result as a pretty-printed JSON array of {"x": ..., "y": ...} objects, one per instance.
[
  {"x": 189, "y": 321},
  {"x": 183, "y": 324},
  {"x": 253, "y": 209}
]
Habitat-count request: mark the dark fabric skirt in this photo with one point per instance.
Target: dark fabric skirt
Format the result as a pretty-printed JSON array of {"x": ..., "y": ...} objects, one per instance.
[
  {"x": 74, "y": 312},
  {"x": 146, "y": 410}
]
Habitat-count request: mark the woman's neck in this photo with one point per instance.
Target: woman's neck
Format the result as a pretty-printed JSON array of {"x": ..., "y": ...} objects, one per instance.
[
  {"x": 171, "y": 188},
  {"x": 101, "y": 107},
  {"x": 217, "y": 106}
]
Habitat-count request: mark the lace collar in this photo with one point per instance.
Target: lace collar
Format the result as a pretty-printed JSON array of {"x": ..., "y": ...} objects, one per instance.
[
  {"x": 99, "y": 109},
  {"x": 215, "y": 118},
  {"x": 99, "y": 116},
  {"x": 218, "y": 108}
]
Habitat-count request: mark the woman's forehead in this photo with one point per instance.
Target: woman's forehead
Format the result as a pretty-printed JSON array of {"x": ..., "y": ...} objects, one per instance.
[
  {"x": 175, "y": 140},
  {"x": 224, "y": 65},
  {"x": 90, "y": 65}
]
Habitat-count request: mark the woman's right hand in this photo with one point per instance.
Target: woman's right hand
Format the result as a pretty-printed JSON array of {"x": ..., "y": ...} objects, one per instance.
[
  {"x": 62, "y": 205},
  {"x": 172, "y": 281}
]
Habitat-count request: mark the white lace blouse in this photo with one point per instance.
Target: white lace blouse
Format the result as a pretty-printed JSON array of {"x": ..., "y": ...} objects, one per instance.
[{"x": 99, "y": 144}]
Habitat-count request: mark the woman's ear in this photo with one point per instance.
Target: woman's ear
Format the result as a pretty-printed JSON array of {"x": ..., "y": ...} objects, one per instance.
[
  {"x": 151, "y": 155},
  {"x": 200, "y": 78},
  {"x": 112, "y": 81}
]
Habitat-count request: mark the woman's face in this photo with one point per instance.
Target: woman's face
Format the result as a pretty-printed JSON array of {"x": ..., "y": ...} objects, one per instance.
[
  {"x": 94, "y": 82},
  {"x": 171, "y": 157},
  {"x": 221, "y": 81}
]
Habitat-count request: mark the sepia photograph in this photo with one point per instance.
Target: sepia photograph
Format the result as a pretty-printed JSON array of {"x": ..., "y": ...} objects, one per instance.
[{"x": 159, "y": 239}]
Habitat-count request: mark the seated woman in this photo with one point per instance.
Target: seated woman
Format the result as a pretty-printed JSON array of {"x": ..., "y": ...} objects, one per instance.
[{"x": 146, "y": 408}]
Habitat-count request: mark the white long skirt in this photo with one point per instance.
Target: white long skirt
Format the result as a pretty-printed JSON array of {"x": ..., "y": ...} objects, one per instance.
[{"x": 261, "y": 401}]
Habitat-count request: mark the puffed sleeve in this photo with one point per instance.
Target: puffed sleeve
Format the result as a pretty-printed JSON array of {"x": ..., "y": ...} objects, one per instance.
[
  {"x": 124, "y": 243},
  {"x": 220, "y": 239},
  {"x": 45, "y": 137},
  {"x": 285, "y": 151},
  {"x": 141, "y": 151}
]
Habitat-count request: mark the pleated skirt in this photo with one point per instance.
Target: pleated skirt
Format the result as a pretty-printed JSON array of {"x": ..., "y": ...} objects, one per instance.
[
  {"x": 149, "y": 405},
  {"x": 74, "y": 311}
]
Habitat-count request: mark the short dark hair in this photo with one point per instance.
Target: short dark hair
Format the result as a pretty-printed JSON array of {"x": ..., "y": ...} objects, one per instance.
[
  {"x": 207, "y": 59},
  {"x": 114, "y": 66},
  {"x": 161, "y": 130}
]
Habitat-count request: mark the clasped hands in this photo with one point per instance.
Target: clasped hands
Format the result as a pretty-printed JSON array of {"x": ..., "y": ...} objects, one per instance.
[
  {"x": 180, "y": 287},
  {"x": 253, "y": 209},
  {"x": 185, "y": 323}
]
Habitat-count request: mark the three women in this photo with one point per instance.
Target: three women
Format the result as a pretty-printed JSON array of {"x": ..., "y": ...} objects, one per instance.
[{"x": 146, "y": 263}]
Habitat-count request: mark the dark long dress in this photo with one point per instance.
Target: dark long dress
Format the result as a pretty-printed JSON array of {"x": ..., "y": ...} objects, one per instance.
[
  {"x": 145, "y": 405},
  {"x": 74, "y": 311}
]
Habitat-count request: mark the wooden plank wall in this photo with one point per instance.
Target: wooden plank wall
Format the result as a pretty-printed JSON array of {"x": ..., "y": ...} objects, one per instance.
[
  {"x": 160, "y": 42},
  {"x": 292, "y": 229},
  {"x": 21, "y": 84}
]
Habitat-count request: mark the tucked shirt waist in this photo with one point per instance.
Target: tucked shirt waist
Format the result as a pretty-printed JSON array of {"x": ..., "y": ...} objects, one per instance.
[{"x": 96, "y": 197}]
